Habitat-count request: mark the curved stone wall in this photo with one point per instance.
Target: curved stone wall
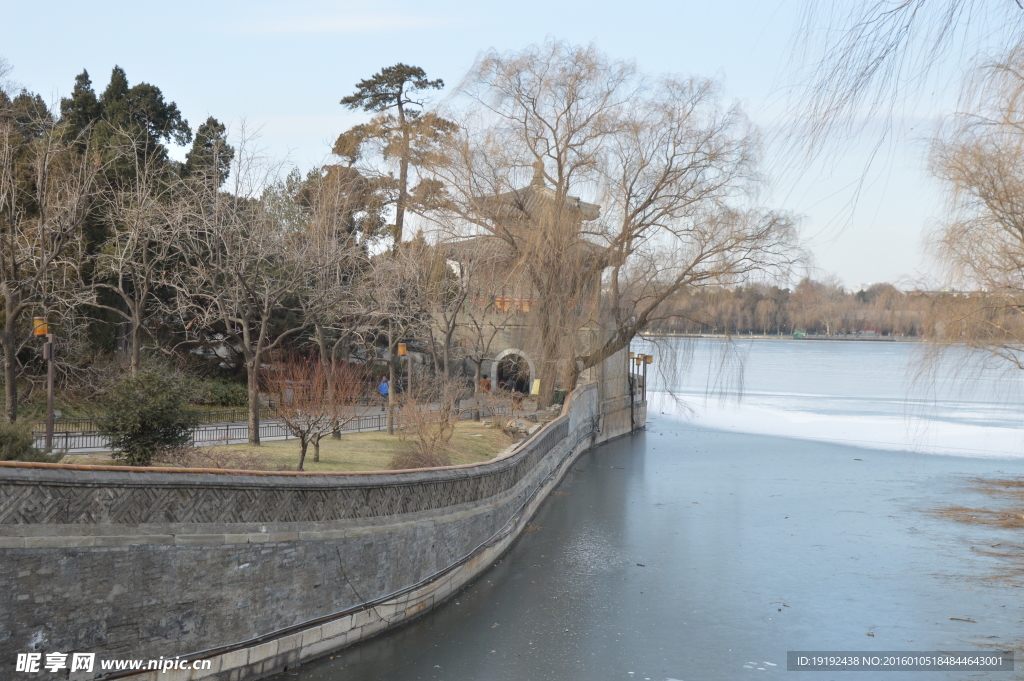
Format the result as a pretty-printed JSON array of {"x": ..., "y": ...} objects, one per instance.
[{"x": 257, "y": 572}]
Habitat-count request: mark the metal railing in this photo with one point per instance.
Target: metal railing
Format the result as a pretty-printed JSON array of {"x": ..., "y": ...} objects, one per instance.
[
  {"x": 203, "y": 416},
  {"x": 210, "y": 434}
]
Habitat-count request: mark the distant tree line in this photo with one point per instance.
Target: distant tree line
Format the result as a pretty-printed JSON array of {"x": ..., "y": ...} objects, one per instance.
[{"x": 814, "y": 307}]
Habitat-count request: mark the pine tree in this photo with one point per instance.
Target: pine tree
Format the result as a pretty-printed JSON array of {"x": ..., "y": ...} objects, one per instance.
[
  {"x": 82, "y": 109},
  {"x": 392, "y": 88},
  {"x": 210, "y": 152}
]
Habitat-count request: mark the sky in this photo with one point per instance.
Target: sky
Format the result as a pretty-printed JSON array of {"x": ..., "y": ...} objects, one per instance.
[{"x": 282, "y": 67}]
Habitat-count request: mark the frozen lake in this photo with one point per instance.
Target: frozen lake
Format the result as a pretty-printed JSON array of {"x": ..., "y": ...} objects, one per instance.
[{"x": 871, "y": 394}]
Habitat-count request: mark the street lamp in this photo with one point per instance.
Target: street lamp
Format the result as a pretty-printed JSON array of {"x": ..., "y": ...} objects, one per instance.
[
  {"x": 42, "y": 329},
  {"x": 403, "y": 351},
  {"x": 638, "y": 360}
]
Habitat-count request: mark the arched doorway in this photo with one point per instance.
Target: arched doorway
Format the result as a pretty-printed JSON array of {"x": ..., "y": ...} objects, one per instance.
[{"x": 513, "y": 373}]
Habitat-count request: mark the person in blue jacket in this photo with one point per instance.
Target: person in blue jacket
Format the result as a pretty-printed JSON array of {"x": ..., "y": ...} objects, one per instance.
[{"x": 384, "y": 388}]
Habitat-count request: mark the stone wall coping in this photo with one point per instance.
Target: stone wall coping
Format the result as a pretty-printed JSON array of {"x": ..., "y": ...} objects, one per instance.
[{"x": 150, "y": 476}]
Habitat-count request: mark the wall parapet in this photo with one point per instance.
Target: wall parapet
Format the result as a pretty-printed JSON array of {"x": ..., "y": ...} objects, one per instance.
[{"x": 54, "y": 495}]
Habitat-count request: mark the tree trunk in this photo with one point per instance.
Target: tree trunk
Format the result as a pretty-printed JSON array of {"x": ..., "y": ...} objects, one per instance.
[
  {"x": 10, "y": 377},
  {"x": 316, "y": 449},
  {"x": 253, "y": 380},
  {"x": 391, "y": 377},
  {"x": 303, "y": 443},
  {"x": 9, "y": 341},
  {"x": 477, "y": 376},
  {"x": 327, "y": 360},
  {"x": 403, "y": 178},
  {"x": 136, "y": 351},
  {"x": 548, "y": 360},
  {"x": 391, "y": 397}
]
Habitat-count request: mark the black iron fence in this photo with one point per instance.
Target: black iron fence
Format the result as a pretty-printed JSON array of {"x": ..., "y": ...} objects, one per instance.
[
  {"x": 204, "y": 417},
  {"x": 210, "y": 434},
  {"x": 233, "y": 426}
]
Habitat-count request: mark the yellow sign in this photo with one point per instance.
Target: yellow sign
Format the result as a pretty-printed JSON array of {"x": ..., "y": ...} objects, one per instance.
[
  {"x": 535, "y": 388},
  {"x": 401, "y": 350},
  {"x": 39, "y": 326}
]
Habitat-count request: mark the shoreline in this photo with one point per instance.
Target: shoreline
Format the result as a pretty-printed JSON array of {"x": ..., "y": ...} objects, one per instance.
[{"x": 877, "y": 339}]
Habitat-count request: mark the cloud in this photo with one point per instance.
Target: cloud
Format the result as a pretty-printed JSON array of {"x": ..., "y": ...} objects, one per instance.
[{"x": 345, "y": 23}]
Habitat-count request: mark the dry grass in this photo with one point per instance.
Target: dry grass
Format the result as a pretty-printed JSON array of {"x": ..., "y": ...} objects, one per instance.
[
  {"x": 1012, "y": 518},
  {"x": 370, "y": 451},
  {"x": 1010, "y": 491},
  {"x": 1008, "y": 515}
]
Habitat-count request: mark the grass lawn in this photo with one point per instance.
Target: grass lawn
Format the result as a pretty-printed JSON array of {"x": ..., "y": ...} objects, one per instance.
[{"x": 370, "y": 451}]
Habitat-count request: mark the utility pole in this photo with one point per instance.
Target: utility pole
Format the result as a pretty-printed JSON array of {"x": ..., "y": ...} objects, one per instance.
[{"x": 48, "y": 356}]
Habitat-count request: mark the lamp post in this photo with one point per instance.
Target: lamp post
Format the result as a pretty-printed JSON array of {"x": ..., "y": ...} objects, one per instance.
[
  {"x": 403, "y": 351},
  {"x": 648, "y": 359},
  {"x": 638, "y": 360},
  {"x": 42, "y": 329}
]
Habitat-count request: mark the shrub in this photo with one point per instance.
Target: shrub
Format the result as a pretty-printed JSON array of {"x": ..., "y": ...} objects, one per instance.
[
  {"x": 428, "y": 417},
  {"x": 212, "y": 457},
  {"x": 219, "y": 392},
  {"x": 313, "y": 399},
  {"x": 145, "y": 416},
  {"x": 16, "y": 444}
]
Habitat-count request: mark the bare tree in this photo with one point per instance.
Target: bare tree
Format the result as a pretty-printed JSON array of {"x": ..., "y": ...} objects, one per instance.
[
  {"x": 485, "y": 319},
  {"x": 144, "y": 217},
  {"x": 669, "y": 174},
  {"x": 7, "y": 86},
  {"x": 47, "y": 186},
  {"x": 429, "y": 416},
  {"x": 767, "y": 312},
  {"x": 394, "y": 299},
  {"x": 864, "y": 59},
  {"x": 313, "y": 399},
  {"x": 819, "y": 303},
  {"x": 246, "y": 265},
  {"x": 980, "y": 158}
]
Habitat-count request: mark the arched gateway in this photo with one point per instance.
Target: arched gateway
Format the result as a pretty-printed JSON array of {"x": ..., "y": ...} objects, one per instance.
[{"x": 513, "y": 367}]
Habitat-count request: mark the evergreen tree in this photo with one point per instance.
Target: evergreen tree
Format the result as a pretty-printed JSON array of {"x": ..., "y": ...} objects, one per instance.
[
  {"x": 82, "y": 109},
  {"x": 127, "y": 127},
  {"x": 210, "y": 151},
  {"x": 392, "y": 88},
  {"x": 139, "y": 115}
]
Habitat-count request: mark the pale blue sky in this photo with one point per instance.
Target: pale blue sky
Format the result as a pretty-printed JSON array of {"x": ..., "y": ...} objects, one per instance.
[{"x": 284, "y": 66}]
